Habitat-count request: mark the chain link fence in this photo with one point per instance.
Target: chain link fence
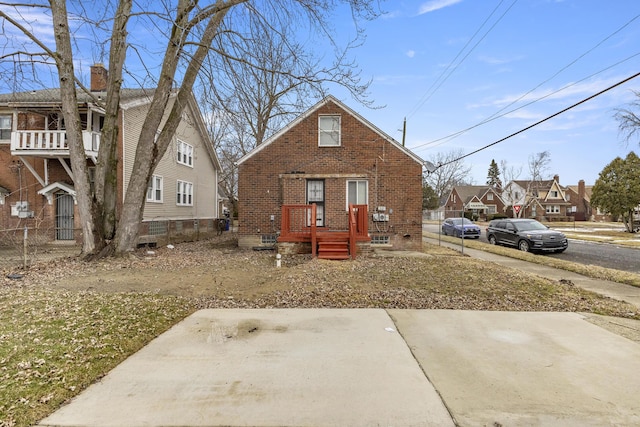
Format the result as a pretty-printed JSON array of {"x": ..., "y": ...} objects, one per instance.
[{"x": 21, "y": 248}]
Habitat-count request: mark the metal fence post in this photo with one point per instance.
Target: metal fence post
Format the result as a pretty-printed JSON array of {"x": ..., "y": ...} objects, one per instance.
[{"x": 24, "y": 248}]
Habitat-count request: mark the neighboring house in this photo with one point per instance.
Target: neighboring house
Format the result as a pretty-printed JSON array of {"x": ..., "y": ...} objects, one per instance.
[
  {"x": 544, "y": 200},
  {"x": 580, "y": 198},
  {"x": 482, "y": 201},
  {"x": 36, "y": 180},
  {"x": 330, "y": 157}
]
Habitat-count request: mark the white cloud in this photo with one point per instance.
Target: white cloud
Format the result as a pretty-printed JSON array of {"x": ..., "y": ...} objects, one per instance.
[
  {"x": 411, "y": 53},
  {"x": 434, "y": 5}
]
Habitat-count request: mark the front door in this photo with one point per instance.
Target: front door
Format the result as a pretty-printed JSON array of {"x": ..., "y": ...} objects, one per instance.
[
  {"x": 315, "y": 194},
  {"x": 64, "y": 216}
]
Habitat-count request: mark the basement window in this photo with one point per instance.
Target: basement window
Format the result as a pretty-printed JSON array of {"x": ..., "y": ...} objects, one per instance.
[
  {"x": 269, "y": 239},
  {"x": 379, "y": 240}
]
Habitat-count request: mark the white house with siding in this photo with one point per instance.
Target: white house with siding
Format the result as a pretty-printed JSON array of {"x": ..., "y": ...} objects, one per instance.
[{"x": 37, "y": 180}]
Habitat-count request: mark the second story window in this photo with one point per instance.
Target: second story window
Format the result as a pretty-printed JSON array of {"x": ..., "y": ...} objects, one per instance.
[
  {"x": 5, "y": 126},
  {"x": 185, "y": 153},
  {"x": 329, "y": 131}
]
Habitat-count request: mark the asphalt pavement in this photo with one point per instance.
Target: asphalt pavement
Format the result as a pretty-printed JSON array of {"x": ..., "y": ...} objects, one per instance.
[{"x": 374, "y": 367}]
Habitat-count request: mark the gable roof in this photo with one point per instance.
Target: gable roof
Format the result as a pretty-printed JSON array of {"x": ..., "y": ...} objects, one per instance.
[
  {"x": 321, "y": 103},
  {"x": 468, "y": 192}
]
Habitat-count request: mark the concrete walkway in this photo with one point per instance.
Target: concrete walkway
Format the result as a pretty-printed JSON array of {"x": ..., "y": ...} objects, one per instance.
[
  {"x": 370, "y": 367},
  {"x": 374, "y": 367},
  {"x": 619, "y": 291}
]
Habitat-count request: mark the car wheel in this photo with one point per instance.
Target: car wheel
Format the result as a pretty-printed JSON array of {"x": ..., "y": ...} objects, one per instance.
[
  {"x": 523, "y": 245},
  {"x": 492, "y": 240},
  {"x": 444, "y": 231}
]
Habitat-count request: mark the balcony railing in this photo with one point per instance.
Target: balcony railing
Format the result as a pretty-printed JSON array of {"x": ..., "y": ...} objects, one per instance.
[{"x": 50, "y": 143}]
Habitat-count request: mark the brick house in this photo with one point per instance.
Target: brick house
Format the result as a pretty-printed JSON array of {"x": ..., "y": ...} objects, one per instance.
[
  {"x": 481, "y": 201},
  {"x": 544, "y": 200},
  {"x": 330, "y": 157},
  {"x": 36, "y": 180}
]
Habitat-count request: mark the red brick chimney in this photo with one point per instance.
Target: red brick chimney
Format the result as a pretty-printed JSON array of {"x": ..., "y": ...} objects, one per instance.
[
  {"x": 581, "y": 190},
  {"x": 98, "y": 78}
]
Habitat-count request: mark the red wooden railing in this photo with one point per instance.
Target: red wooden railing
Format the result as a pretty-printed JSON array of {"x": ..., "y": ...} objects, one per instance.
[{"x": 298, "y": 224}]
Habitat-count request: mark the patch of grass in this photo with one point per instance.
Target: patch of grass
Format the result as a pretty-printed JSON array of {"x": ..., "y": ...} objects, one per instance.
[
  {"x": 53, "y": 344},
  {"x": 592, "y": 271}
]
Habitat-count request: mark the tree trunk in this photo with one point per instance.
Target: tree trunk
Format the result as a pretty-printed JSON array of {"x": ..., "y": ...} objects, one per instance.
[
  {"x": 150, "y": 150},
  {"x": 64, "y": 63},
  {"x": 106, "y": 178}
]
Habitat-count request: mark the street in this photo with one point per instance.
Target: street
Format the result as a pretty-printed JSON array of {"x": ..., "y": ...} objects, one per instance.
[{"x": 583, "y": 252}]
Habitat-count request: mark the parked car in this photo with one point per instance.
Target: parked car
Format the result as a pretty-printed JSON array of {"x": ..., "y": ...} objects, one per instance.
[
  {"x": 526, "y": 235},
  {"x": 455, "y": 227}
]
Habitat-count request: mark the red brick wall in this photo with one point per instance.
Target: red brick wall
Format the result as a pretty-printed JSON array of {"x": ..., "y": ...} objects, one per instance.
[
  {"x": 277, "y": 175},
  {"x": 22, "y": 185}
]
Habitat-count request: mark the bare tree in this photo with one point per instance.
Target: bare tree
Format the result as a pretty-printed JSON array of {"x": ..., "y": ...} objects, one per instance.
[
  {"x": 539, "y": 166},
  {"x": 628, "y": 119},
  {"x": 192, "y": 30},
  {"x": 450, "y": 171},
  {"x": 249, "y": 99},
  {"x": 510, "y": 173}
]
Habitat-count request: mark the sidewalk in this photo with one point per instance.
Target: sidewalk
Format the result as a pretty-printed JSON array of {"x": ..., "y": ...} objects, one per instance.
[{"x": 619, "y": 291}]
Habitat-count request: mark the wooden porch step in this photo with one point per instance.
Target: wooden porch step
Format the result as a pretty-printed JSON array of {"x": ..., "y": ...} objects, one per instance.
[{"x": 333, "y": 249}]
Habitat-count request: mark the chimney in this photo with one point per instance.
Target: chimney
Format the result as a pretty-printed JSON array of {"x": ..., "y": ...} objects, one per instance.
[
  {"x": 98, "y": 78},
  {"x": 557, "y": 178},
  {"x": 581, "y": 190}
]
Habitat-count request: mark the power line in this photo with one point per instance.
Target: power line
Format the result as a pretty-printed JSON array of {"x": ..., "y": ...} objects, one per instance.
[
  {"x": 540, "y": 121},
  {"x": 497, "y": 114},
  {"x": 440, "y": 80}
]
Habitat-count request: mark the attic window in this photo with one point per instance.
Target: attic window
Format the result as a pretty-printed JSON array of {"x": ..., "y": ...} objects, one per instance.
[{"x": 329, "y": 131}]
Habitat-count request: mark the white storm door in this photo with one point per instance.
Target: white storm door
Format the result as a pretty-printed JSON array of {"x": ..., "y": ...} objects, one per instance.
[{"x": 315, "y": 194}]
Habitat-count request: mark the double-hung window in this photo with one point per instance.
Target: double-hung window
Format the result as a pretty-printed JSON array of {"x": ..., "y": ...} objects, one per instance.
[
  {"x": 329, "y": 131},
  {"x": 5, "y": 126},
  {"x": 185, "y": 153},
  {"x": 154, "y": 190},
  {"x": 357, "y": 192},
  {"x": 184, "y": 193},
  {"x": 552, "y": 209}
]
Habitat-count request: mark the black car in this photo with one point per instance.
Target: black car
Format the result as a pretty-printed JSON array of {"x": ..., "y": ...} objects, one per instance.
[{"x": 526, "y": 235}]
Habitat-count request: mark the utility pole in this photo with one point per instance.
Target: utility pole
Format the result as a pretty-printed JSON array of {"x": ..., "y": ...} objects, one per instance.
[{"x": 404, "y": 130}]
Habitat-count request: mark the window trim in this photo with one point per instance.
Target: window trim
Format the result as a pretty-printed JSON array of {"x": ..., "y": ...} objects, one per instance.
[
  {"x": 154, "y": 190},
  {"x": 184, "y": 154},
  {"x": 366, "y": 191},
  {"x": 184, "y": 193},
  {"x": 322, "y": 131}
]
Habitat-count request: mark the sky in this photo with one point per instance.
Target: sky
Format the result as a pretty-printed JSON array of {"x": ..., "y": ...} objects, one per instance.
[
  {"x": 468, "y": 73},
  {"x": 448, "y": 65}
]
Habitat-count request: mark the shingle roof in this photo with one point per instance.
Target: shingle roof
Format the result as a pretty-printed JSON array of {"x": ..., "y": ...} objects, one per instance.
[
  {"x": 467, "y": 192},
  {"x": 52, "y": 96}
]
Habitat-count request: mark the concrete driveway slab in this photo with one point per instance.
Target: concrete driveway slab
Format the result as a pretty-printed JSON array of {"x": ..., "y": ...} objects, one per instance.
[
  {"x": 524, "y": 369},
  {"x": 293, "y": 367}
]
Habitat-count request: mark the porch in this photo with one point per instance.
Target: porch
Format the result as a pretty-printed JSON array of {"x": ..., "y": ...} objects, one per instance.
[
  {"x": 51, "y": 143},
  {"x": 298, "y": 225}
]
